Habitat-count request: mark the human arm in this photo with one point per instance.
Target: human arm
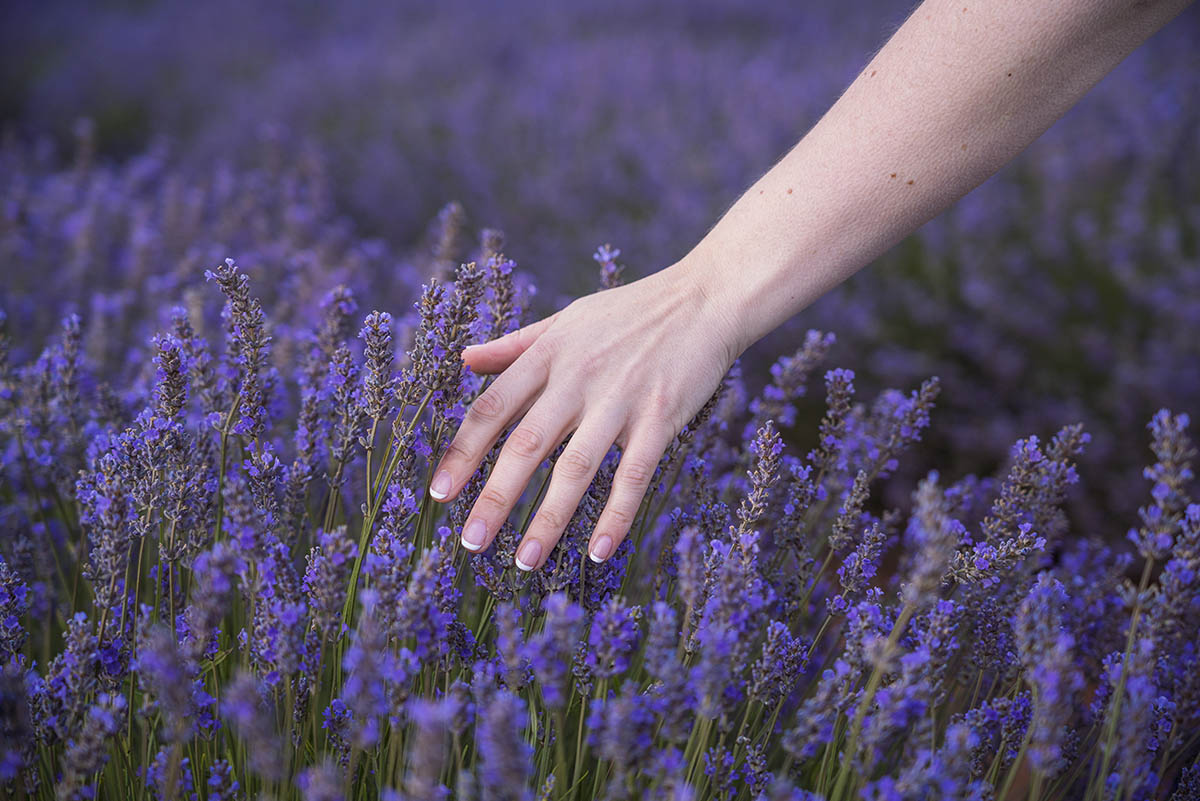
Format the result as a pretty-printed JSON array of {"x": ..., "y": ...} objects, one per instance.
[{"x": 954, "y": 94}]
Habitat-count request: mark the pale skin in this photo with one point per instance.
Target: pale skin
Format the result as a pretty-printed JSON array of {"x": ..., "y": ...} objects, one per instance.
[{"x": 958, "y": 90}]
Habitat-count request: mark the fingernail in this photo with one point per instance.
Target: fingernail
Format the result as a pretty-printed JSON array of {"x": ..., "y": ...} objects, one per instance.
[
  {"x": 440, "y": 486},
  {"x": 601, "y": 550},
  {"x": 474, "y": 535},
  {"x": 527, "y": 557}
]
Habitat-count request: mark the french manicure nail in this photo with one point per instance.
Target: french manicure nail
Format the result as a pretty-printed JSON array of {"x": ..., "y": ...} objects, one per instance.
[
  {"x": 440, "y": 486},
  {"x": 474, "y": 535},
  {"x": 601, "y": 550},
  {"x": 527, "y": 557}
]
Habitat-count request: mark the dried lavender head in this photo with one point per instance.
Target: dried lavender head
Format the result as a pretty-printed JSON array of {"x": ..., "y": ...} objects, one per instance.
[{"x": 378, "y": 380}]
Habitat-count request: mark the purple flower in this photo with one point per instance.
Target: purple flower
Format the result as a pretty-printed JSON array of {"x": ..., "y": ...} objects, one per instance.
[
  {"x": 610, "y": 272},
  {"x": 87, "y": 752},
  {"x": 613, "y": 638},
  {"x": 245, "y": 706},
  {"x": 1047, "y": 654},
  {"x": 551, "y": 650},
  {"x": 505, "y": 758}
]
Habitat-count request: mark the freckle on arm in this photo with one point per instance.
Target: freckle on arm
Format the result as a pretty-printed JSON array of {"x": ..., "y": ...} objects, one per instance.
[{"x": 910, "y": 182}]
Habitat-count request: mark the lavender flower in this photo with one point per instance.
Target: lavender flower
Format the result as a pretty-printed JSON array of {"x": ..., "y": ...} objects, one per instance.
[
  {"x": 1171, "y": 474},
  {"x": 321, "y": 783},
  {"x": 550, "y": 650},
  {"x": 247, "y": 340},
  {"x": 504, "y": 756},
  {"x": 614, "y": 636},
  {"x": 87, "y": 753},
  {"x": 378, "y": 379},
  {"x": 329, "y": 565},
  {"x": 788, "y": 378},
  {"x": 779, "y": 668},
  {"x": 14, "y": 603},
  {"x": 245, "y": 707},
  {"x": 610, "y": 272},
  {"x": 1047, "y": 654}
]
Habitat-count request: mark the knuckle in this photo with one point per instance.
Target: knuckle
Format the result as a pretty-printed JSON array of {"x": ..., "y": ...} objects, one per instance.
[
  {"x": 573, "y": 464},
  {"x": 661, "y": 409},
  {"x": 455, "y": 454},
  {"x": 541, "y": 353},
  {"x": 618, "y": 519},
  {"x": 526, "y": 441},
  {"x": 552, "y": 518},
  {"x": 493, "y": 499},
  {"x": 635, "y": 473},
  {"x": 588, "y": 364},
  {"x": 489, "y": 406}
]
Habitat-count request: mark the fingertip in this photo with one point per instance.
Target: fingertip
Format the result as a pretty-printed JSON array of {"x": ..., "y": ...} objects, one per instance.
[
  {"x": 601, "y": 549},
  {"x": 474, "y": 536},
  {"x": 529, "y": 554},
  {"x": 439, "y": 488}
]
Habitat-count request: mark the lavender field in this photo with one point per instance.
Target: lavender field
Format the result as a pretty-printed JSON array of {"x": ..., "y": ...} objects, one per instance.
[{"x": 936, "y": 538}]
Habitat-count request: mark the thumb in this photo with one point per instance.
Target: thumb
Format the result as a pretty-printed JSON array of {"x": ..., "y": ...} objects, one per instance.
[{"x": 495, "y": 356}]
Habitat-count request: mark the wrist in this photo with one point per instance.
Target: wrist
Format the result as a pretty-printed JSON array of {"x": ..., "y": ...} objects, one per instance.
[{"x": 717, "y": 303}]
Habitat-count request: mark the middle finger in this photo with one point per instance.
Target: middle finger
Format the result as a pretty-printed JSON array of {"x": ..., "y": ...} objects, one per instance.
[{"x": 542, "y": 428}]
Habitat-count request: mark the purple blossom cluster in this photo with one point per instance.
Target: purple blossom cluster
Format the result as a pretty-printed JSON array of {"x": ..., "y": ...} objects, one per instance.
[
  {"x": 1063, "y": 289},
  {"x": 222, "y": 577},
  {"x": 245, "y": 591}
]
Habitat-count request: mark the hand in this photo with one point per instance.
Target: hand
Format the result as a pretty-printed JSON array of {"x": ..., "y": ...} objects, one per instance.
[{"x": 629, "y": 365}]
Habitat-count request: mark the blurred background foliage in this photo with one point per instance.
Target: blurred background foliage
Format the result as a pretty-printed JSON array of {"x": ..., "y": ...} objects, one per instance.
[{"x": 1065, "y": 289}]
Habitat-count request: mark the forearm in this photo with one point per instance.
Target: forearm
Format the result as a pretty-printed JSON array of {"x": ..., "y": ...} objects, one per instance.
[{"x": 960, "y": 89}]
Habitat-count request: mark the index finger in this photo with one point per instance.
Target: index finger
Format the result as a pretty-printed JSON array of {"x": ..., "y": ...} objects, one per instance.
[{"x": 509, "y": 396}]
